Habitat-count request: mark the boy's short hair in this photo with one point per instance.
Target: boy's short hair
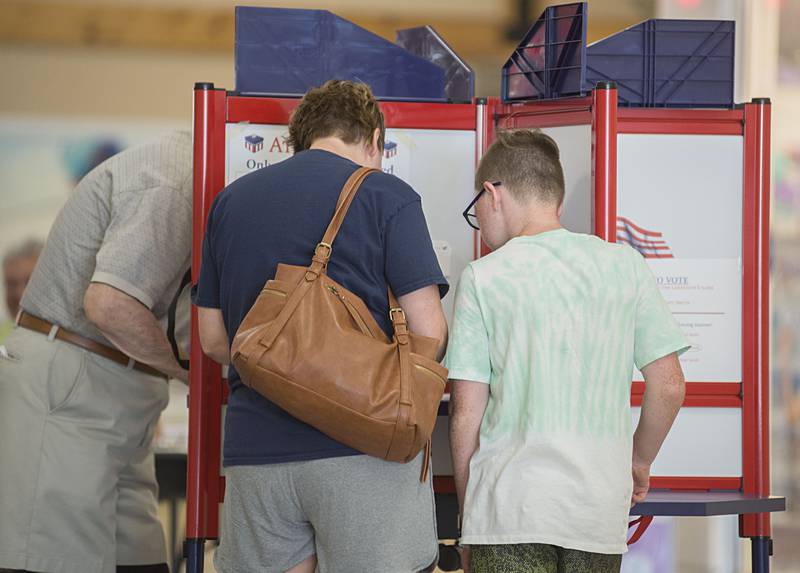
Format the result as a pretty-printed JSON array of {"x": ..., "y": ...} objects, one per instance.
[
  {"x": 338, "y": 108},
  {"x": 527, "y": 162}
]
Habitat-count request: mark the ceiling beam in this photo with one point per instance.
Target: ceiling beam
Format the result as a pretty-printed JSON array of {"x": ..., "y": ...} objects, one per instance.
[
  {"x": 194, "y": 29},
  {"x": 210, "y": 29}
]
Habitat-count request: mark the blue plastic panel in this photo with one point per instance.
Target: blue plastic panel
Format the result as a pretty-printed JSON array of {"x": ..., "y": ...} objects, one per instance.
[
  {"x": 550, "y": 60},
  {"x": 658, "y": 63},
  {"x": 426, "y": 43},
  {"x": 282, "y": 51},
  {"x": 667, "y": 63}
]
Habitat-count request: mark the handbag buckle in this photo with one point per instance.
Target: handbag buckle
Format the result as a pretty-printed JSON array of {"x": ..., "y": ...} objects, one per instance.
[
  {"x": 397, "y": 310},
  {"x": 326, "y": 245}
]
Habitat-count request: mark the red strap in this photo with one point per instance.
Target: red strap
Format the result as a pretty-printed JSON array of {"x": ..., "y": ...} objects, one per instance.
[{"x": 644, "y": 522}]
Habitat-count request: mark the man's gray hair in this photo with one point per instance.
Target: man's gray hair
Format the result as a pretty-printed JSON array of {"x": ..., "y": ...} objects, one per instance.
[{"x": 27, "y": 249}]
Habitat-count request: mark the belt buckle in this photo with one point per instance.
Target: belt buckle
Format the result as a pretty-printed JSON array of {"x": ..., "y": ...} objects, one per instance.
[{"x": 397, "y": 310}]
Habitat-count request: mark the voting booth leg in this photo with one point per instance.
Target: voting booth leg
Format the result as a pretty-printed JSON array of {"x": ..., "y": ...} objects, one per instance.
[
  {"x": 761, "y": 550},
  {"x": 195, "y": 555}
]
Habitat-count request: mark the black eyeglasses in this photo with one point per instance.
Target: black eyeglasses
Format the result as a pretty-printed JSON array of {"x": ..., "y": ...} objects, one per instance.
[{"x": 472, "y": 218}]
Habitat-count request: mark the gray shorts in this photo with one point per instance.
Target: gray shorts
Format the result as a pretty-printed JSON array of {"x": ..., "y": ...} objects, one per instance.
[{"x": 356, "y": 513}]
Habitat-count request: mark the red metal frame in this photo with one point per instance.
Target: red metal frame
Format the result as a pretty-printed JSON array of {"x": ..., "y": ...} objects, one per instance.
[
  {"x": 701, "y": 394},
  {"x": 684, "y": 483},
  {"x": 557, "y": 113},
  {"x": 755, "y": 317},
  {"x": 604, "y": 163},
  {"x": 213, "y": 109},
  {"x": 408, "y": 115},
  {"x": 204, "y": 489},
  {"x": 680, "y": 121}
]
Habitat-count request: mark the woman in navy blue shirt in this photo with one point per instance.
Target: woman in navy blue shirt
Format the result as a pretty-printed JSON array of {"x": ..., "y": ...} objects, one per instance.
[{"x": 296, "y": 499}]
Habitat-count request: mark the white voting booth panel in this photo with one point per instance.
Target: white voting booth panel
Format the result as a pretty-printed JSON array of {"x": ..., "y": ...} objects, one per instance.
[
  {"x": 438, "y": 164},
  {"x": 684, "y": 188},
  {"x": 702, "y": 442},
  {"x": 679, "y": 198},
  {"x": 575, "y": 151},
  {"x": 697, "y": 209}
]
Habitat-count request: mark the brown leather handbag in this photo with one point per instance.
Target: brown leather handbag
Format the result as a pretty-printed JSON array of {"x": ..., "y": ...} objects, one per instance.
[{"x": 313, "y": 348}]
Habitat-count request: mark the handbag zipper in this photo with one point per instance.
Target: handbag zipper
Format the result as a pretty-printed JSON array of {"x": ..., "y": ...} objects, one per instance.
[{"x": 352, "y": 310}]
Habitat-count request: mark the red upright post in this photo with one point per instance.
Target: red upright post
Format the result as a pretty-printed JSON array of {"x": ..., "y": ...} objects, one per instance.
[
  {"x": 755, "y": 316},
  {"x": 203, "y": 491},
  {"x": 604, "y": 164}
]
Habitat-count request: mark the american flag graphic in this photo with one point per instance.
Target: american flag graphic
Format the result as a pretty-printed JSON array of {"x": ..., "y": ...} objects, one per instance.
[
  {"x": 650, "y": 244},
  {"x": 254, "y": 143}
]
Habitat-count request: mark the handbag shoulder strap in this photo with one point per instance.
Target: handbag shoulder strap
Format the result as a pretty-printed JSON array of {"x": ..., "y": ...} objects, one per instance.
[
  {"x": 322, "y": 253},
  {"x": 346, "y": 197}
]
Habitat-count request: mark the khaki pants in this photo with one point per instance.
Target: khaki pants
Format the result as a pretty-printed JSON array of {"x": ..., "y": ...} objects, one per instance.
[{"x": 77, "y": 474}]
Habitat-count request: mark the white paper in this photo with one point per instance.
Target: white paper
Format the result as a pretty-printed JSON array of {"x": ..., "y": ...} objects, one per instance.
[
  {"x": 444, "y": 256},
  {"x": 705, "y": 297}
]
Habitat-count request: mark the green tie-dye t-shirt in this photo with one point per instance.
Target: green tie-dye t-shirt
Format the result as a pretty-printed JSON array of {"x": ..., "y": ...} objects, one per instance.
[{"x": 554, "y": 323}]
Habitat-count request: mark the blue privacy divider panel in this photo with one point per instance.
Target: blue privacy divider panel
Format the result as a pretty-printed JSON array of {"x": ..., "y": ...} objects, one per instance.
[
  {"x": 284, "y": 52},
  {"x": 550, "y": 60},
  {"x": 667, "y": 63},
  {"x": 425, "y": 42},
  {"x": 658, "y": 63}
]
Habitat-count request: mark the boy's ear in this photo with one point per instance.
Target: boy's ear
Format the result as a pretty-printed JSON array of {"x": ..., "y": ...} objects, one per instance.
[
  {"x": 560, "y": 210},
  {"x": 495, "y": 198}
]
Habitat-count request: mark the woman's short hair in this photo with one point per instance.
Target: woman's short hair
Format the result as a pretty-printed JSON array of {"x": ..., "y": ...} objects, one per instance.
[{"x": 338, "y": 108}]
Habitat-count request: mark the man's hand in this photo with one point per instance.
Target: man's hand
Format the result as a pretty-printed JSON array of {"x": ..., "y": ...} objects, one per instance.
[
  {"x": 131, "y": 327},
  {"x": 641, "y": 483},
  {"x": 182, "y": 376}
]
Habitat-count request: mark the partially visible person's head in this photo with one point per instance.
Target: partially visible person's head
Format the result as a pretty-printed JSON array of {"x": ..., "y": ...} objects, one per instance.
[
  {"x": 339, "y": 109},
  {"x": 526, "y": 164},
  {"x": 18, "y": 265}
]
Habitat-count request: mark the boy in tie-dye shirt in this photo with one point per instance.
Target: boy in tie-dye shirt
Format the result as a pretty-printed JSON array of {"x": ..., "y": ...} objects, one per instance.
[{"x": 546, "y": 332}]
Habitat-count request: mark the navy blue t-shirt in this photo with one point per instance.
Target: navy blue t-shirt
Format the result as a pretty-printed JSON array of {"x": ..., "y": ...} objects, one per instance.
[{"x": 278, "y": 215}]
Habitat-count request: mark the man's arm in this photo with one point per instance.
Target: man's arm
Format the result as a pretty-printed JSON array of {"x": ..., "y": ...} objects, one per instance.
[
  {"x": 213, "y": 335},
  {"x": 664, "y": 391},
  {"x": 131, "y": 327},
  {"x": 467, "y": 404},
  {"x": 423, "y": 310}
]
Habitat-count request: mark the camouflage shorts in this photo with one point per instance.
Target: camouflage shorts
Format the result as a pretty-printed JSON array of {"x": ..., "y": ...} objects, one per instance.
[{"x": 540, "y": 558}]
